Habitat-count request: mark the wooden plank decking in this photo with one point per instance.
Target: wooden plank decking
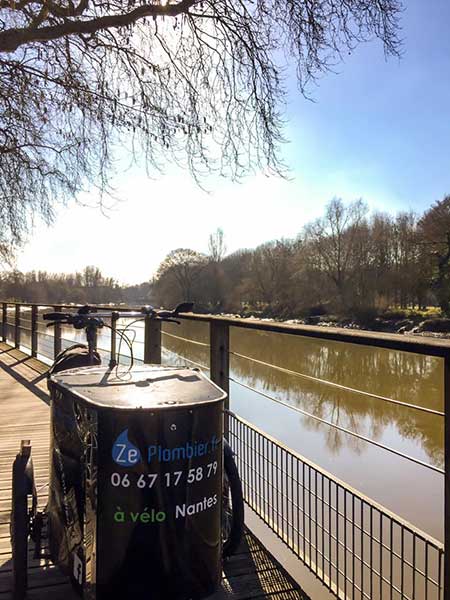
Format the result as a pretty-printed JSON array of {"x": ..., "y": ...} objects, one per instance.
[{"x": 251, "y": 573}]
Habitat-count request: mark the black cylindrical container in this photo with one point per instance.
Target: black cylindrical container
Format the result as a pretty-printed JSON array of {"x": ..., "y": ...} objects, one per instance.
[{"x": 135, "y": 494}]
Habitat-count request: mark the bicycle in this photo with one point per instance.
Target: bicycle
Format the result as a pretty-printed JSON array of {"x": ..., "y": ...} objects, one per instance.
[{"x": 73, "y": 497}]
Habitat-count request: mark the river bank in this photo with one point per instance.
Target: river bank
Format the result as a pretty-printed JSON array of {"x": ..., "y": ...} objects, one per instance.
[{"x": 406, "y": 324}]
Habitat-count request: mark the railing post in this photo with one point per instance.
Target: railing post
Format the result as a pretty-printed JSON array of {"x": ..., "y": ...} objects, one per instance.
[
  {"x": 4, "y": 320},
  {"x": 34, "y": 330},
  {"x": 57, "y": 335},
  {"x": 447, "y": 477},
  {"x": 219, "y": 359},
  {"x": 113, "y": 352},
  {"x": 152, "y": 341},
  {"x": 17, "y": 326}
]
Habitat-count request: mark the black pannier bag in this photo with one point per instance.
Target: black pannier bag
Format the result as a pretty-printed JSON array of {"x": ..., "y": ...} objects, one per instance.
[{"x": 65, "y": 459}]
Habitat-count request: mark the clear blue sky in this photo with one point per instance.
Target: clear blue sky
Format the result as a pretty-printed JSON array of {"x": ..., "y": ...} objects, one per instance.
[{"x": 377, "y": 129}]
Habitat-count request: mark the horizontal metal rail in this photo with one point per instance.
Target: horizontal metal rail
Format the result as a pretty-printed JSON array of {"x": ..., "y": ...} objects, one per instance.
[
  {"x": 178, "y": 337},
  {"x": 338, "y": 385},
  {"x": 339, "y": 427}
]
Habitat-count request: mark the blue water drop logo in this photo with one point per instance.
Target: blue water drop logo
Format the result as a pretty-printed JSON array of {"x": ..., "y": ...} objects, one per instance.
[{"x": 124, "y": 453}]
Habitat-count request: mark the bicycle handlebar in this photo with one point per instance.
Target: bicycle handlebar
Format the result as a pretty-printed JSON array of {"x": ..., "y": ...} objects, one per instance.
[{"x": 86, "y": 314}]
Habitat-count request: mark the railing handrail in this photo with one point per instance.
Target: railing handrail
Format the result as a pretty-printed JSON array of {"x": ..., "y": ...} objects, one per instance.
[{"x": 393, "y": 341}]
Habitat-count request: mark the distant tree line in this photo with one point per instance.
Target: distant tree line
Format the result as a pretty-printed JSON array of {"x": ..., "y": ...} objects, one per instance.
[
  {"x": 88, "y": 286},
  {"x": 346, "y": 262}
]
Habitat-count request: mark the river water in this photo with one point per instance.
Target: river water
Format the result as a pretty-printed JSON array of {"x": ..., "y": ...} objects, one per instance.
[{"x": 410, "y": 490}]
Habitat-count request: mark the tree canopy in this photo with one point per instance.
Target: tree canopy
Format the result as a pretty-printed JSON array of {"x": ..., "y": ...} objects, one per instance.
[{"x": 195, "y": 82}]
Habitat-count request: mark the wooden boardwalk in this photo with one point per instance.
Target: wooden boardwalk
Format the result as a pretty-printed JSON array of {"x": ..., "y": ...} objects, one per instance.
[{"x": 251, "y": 573}]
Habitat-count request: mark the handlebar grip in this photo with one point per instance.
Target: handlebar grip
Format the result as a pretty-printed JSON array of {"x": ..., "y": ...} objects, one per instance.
[
  {"x": 184, "y": 307},
  {"x": 54, "y": 316}
]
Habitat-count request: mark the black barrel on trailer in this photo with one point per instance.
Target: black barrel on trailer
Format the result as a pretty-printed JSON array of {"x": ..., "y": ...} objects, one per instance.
[{"x": 135, "y": 498}]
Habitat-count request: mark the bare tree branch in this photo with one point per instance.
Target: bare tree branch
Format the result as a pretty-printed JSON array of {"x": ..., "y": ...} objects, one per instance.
[{"x": 196, "y": 83}]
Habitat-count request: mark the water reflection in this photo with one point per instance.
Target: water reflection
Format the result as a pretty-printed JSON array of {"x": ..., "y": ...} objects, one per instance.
[
  {"x": 405, "y": 377},
  {"x": 404, "y": 487}
]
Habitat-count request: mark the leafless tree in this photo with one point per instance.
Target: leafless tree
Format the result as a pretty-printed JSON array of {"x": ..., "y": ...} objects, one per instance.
[
  {"x": 434, "y": 232},
  {"x": 334, "y": 239},
  {"x": 195, "y": 82},
  {"x": 179, "y": 271},
  {"x": 216, "y": 246}
]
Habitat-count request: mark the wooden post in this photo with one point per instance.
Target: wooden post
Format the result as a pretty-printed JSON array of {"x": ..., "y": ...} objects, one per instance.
[
  {"x": 219, "y": 339},
  {"x": 17, "y": 326},
  {"x": 447, "y": 477},
  {"x": 57, "y": 335},
  {"x": 34, "y": 330},
  {"x": 152, "y": 341},
  {"x": 4, "y": 320}
]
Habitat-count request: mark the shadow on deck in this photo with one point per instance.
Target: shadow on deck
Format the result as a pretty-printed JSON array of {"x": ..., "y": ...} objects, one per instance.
[{"x": 251, "y": 573}]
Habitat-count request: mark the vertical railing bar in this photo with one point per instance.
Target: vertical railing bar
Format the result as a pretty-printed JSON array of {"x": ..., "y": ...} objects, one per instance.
[
  {"x": 248, "y": 435},
  {"x": 337, "y": 534},
  {"x": 274, "y": 486},
  {"x": 292, "y": 532},
  {"x": 263, "y": 475},
  {"x": 402, "y": 563},
  {"x": 17, "y": 326},
  {"x": 361, "y": 503},
  {"x": 426, "y": 570},
  {"x": 289, "y": 500},
  {"x": 381, "y": 555},
  {"x": 244, "y": 461},
  {"x": 271, "y": 485},
  {"x": 353, "y": 546},
  {"x": 280, "y": 500},
  {"x": 268, "y": 475},
  {"x": 277, "y": 487},
  {"x": 329, "y": 532},
  {"x": 253, "y": 469},
  {"x": 262, "y": 496},
  {"x": 34, "y": 330},
  {"x": 371, "y": 552},
  {"x": 391, "y": 562},
  {"x": 56, "y": 335},
  {"x": 304, "y": 513},
  {"x": 4, "y": 321},
  {"x": 316, "y": 537},
  {"x": 309, "y": 515},
  {"x": 414, "y": 566},
  {"x": 247, "y": 473},
  {"x": 113, "y": 348},
  {"x": 323, "y": 526},
  {"x": 345, "y": 542}
]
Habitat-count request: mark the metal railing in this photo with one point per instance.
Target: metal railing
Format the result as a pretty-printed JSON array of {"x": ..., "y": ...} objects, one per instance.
[{"x": 356, "y": 547}]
